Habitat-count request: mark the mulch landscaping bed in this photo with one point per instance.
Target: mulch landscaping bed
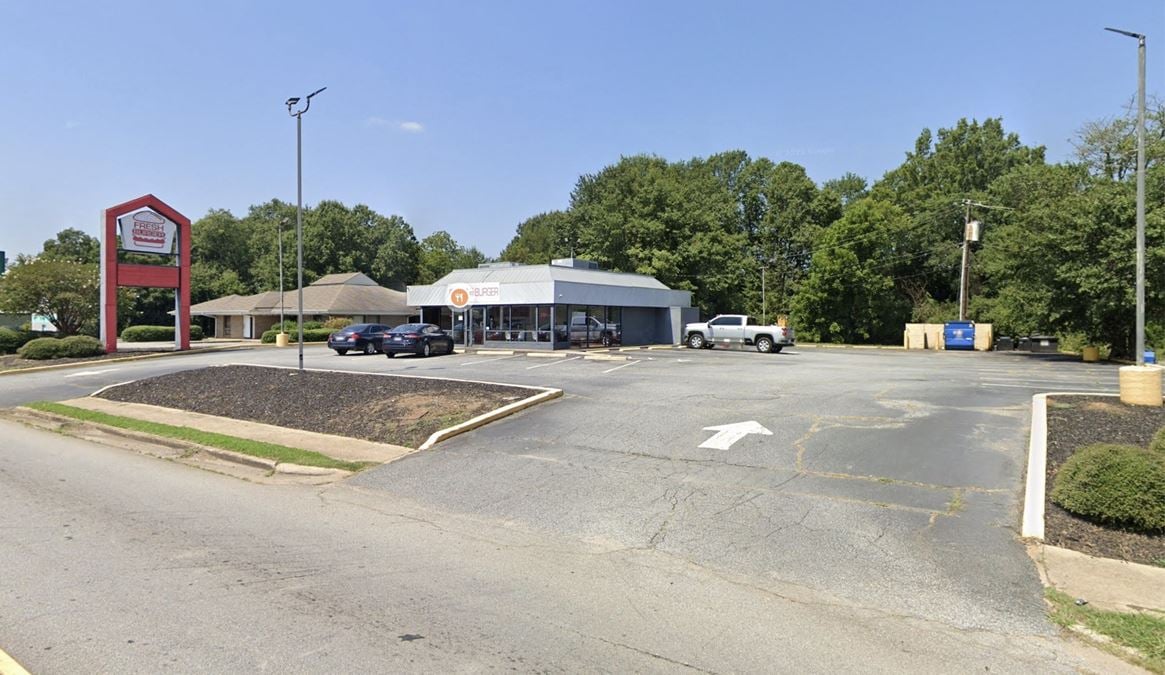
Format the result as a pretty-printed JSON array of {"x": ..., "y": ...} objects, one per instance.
[
  {"x": 381, "y": 408},
  {"x": 1078, "y": 421}
]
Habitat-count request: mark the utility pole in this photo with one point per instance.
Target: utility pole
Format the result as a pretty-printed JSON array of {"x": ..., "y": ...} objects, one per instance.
[
  {"x": 970, "y": 234},
  {"x": 966, "y": 261}
]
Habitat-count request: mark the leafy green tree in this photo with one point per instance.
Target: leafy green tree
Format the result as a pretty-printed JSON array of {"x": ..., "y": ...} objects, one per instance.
[
  {"x": 850, "y": 187},
  {"x": 441, "y": 254},
  {"x": 676, "y": 222},
  {"x": 849, "y": 294},
  {"x": 930, "y": 186},
  {"x": 1108, "y": 147},
  {"x": 395, "y": 262},
  {"x": 541, "y": 238},
  {"x": 72, "y": 244},
  {"x": 65, "y": 291},
  {"x": 1063, "y": 261}
]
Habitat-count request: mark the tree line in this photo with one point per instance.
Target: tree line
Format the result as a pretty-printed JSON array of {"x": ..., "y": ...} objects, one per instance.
[
  {"x": 846, "y": 261},
  {"x": 852, "y": 262}
]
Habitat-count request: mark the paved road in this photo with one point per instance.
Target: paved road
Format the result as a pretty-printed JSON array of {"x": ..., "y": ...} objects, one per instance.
[{"x": 875, "y": 527}]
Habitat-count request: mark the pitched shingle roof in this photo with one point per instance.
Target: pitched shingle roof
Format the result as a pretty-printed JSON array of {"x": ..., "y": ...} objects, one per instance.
[{"x": 352, "y": 293}]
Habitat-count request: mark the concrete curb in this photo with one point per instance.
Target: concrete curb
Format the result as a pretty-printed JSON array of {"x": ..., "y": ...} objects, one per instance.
[
  {"x": 546, "y": 355},
  {"x": 101, "y": 362},
  {"x": 9, "y": 666},
  {"x": 239, "y": 458},
  {"x": 480, "y": 420},
  {"x": 824, "y": 345},
  {"x": 1037, "y": 464}
]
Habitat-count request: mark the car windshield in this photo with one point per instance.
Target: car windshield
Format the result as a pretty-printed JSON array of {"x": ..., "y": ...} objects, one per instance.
[{"x": 409, "y": 328}]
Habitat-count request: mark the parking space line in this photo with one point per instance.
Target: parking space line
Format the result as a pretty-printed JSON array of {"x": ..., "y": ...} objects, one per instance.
[
  {"x": 553, "y": 363},
  {"x": 629, "y": 363},
  {"x": 497, "y": 358}
]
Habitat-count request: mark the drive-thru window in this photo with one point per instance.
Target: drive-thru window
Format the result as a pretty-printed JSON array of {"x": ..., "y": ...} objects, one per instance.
[{"x": 567, "y": 303}]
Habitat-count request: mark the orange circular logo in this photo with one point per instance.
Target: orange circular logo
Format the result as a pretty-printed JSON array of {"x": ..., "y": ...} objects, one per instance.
[{"x": 459, "y": 297}]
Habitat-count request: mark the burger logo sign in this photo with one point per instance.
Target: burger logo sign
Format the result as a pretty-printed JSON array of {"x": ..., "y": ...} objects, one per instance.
[
  {"x": 147, "y": 232},
  {"x": 460, "y": 296}
]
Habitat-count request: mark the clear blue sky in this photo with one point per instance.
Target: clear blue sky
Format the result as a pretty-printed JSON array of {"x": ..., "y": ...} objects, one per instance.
[{"x": 472, "y": 116}]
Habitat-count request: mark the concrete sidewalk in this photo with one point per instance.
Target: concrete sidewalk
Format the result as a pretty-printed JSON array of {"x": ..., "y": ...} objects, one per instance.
[
  {"x": 1107, "y": 584},
  {"x": 336, "y": 447}
]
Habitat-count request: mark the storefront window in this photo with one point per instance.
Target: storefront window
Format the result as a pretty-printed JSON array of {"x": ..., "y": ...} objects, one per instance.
[{"x": 545, "y": 324}]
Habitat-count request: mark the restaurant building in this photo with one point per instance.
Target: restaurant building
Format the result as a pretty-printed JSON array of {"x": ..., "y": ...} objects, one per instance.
[{"x": 567, "y": 303}]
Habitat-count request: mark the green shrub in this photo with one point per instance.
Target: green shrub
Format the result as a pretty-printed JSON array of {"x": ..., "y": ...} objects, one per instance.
[
  {"x": 1158, "y": 444},
  {"x": 1114, "y": 484},
  {"x": 290, "y": 326},
  {"x": 337, "y": 322},
  {"x": 158, "y": 333},
  {"x": 12, "y": 340},
  {"x": 309, "y": 335},
  {"x": 41, "y": 349},
  {"x": 81, "y": 346}
]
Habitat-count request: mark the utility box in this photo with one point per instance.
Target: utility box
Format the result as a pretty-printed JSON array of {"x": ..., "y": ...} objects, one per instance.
[{"x": 959, "y": 335}]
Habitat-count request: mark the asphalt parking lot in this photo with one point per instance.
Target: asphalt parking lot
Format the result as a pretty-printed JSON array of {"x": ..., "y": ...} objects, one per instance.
[
  {"x": 886, "y": 479},
  {"x": 879, "y": 479}
]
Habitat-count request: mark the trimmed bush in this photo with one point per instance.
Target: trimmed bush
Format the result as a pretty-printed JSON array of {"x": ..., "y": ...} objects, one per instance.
[
  {"x": 309, "y": 335},
  {"x": 337, "y": 322},
  {"x": 1119, "y": 485},
  {"x": 1158, "y": 444},
  {"x": 81, "y": 346},
  {"x": 12, "y": 340},
  {"x": 41, "y": 349},
  {"x": 158, "y": 333}
]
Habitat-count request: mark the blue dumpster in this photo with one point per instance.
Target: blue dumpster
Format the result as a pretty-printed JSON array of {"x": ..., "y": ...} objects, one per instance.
[
  {"x": 959, "y": 335},
  {"x": 1150, "y": 356}
]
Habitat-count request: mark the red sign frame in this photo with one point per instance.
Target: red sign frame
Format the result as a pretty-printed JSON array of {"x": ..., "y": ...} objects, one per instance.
[{"x": 115, "y": 274}]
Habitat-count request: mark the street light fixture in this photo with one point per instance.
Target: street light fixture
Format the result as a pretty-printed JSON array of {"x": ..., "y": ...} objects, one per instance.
[
  {"x": 1140, "y": 191},
  {"x": 298, "y": 115}
]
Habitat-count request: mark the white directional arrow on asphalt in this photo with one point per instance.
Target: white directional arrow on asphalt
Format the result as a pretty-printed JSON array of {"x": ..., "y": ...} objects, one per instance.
[{"x": 727, "y": 434}]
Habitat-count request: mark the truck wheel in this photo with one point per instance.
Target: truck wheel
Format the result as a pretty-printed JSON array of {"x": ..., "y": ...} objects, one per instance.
[
  {"x": 696, "y": 341},
  {"x": 606, "y": 340},
  {"x": 764, "y": 345}
]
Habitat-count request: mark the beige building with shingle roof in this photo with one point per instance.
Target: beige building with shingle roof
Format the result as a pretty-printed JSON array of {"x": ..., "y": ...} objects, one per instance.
[{"x": 351, "y": 295}]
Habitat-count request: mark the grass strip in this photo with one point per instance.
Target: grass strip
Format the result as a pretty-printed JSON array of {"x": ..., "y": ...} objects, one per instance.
[
  {"x": 279, "y": 453},
  {"x": 1142, "y": 632}
]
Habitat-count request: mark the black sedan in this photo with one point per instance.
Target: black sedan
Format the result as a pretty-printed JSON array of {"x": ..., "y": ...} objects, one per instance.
[
  {"x": 422, "y": 339},
  {"x": 364, "y": 337}
]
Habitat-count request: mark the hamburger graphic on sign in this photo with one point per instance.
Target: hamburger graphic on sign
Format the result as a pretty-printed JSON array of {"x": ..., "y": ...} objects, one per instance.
[{"x": 147, "y": 232}]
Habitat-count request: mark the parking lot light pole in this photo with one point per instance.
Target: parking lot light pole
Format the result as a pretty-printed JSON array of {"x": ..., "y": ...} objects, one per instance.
[
  {"x": 1140, "y": 191},
  {"x": 282, "y": 222},
  {"x": 297, "y": 113}
]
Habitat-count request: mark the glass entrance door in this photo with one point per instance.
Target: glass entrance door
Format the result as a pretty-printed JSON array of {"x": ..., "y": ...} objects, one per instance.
[{"x": 476, "y": 331}]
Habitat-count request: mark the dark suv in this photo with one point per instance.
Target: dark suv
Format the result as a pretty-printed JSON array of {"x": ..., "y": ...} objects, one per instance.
[{"x": 363, "y": 337}]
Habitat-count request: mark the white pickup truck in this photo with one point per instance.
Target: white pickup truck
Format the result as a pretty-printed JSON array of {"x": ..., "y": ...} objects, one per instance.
[{"x": 737, "y": 330}]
